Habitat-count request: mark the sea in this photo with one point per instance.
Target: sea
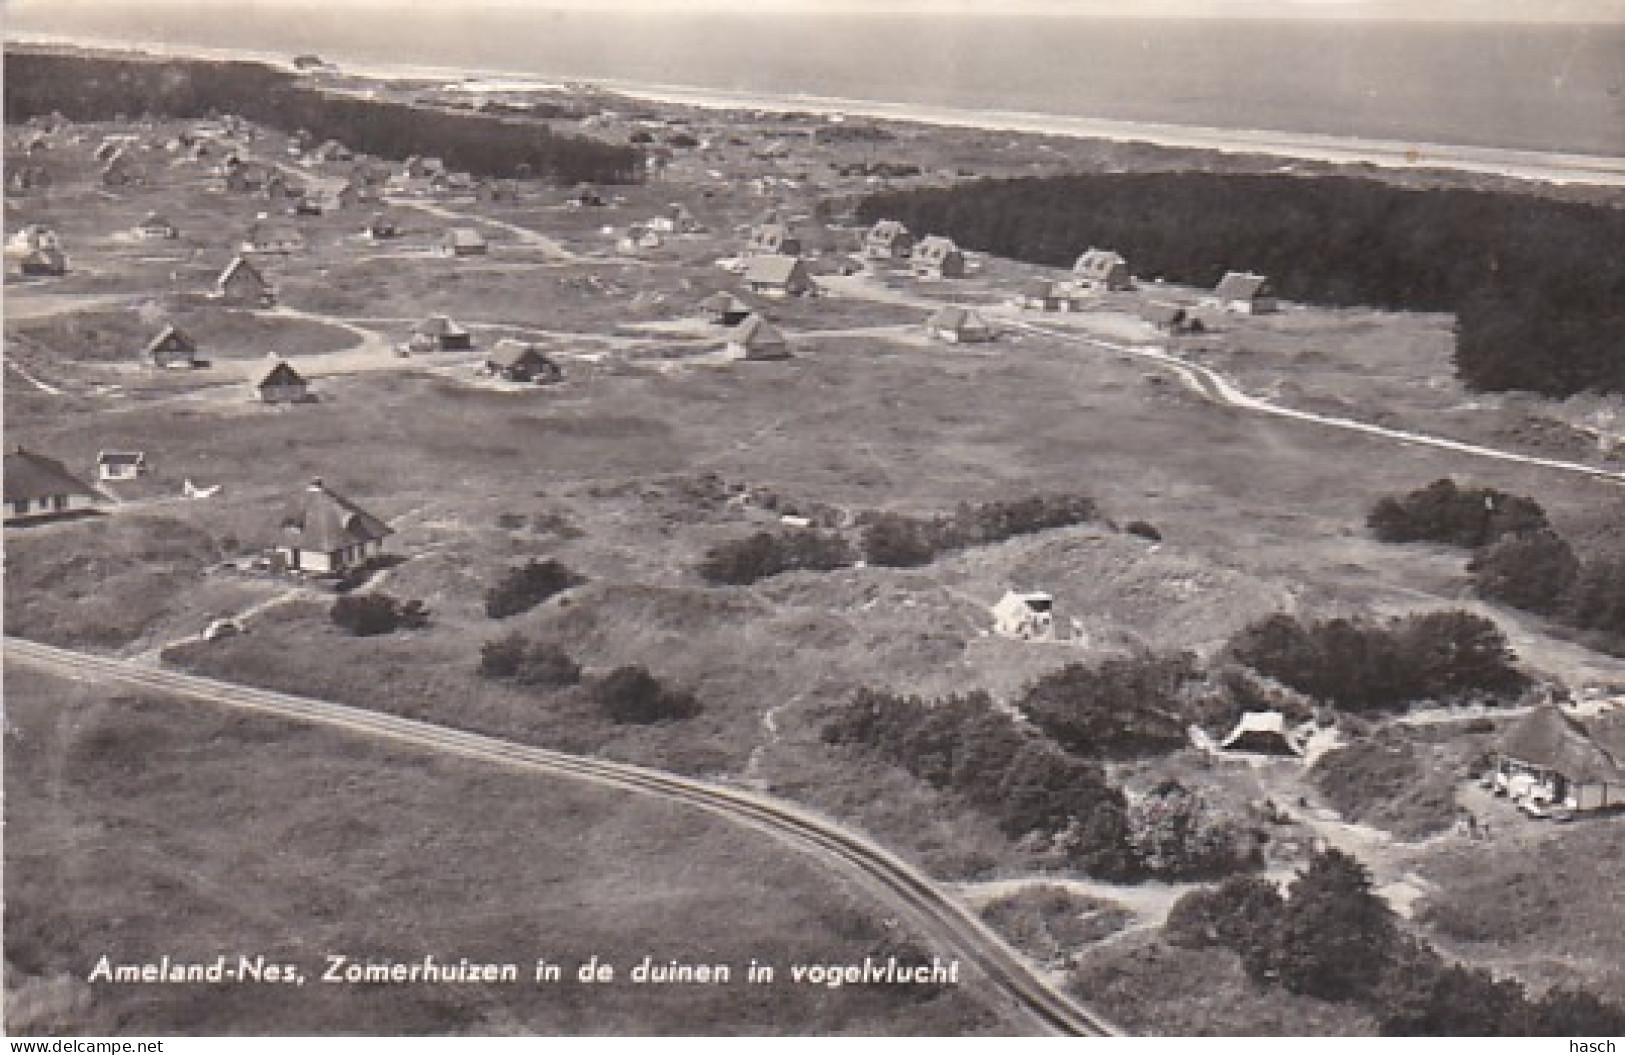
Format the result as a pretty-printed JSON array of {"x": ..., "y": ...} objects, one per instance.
[{"x": 1536, "y": 87}]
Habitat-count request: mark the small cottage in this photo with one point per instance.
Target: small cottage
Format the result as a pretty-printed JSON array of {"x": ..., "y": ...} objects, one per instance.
[
  {"x": 464, "y": 241},
  {"x": 755, "y": 339},
  {"x": 772, "y": 239},
  {"x": 323, "y": 532},
  {"x": 38, "y": 488},
  {"x": 1102, "y": 270},
  {"x": 278, "y": 382},
  {"x": 439, "y": 333},
  {"x": 117, "y": 466},
  {"x": 774, "y": 275},
  {"x": 171, "y": 350},
  {"x": 937, "y": 257},
  {"x": 34, "y": 236},
  {"x": 724, "y": 309},
  {"x": 585, "y": 196},
  {"x": 242, "y": 284},
  {"x": 156, "y": 228},
  {"x": 958, "y": 325},
  {"x": 1243, "y": 293},
  {"x": 522, "y": 362},
  {"x": 1556, "y": 761},
  {"x": 888, "y": 240},
  {"x": 1026, "y": 616}
]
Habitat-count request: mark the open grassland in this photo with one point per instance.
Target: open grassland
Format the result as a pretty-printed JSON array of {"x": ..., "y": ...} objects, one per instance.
[
  {"x": 141, "y": 827},
  {"x": 1540, "y": 902}
]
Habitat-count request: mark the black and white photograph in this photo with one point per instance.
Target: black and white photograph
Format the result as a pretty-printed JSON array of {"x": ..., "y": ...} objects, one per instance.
[{"x": 814, "y": 519}]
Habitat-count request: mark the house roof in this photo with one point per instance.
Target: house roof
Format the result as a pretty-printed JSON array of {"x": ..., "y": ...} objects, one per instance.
[
  {"x": 953, "y": 317},
  {"x": 277, "y": 372},
  {"x": 754, "y": 331},
  {"x": 155, "y": 221},
  {"x": 439, "y": 326},
  {"x": 1550, "y": 739},
  {"x": 1267, "y": 725},
  {"x": 774, "y": 270},
  {"x": 935, "y": 247},
  {"x": 319, "y": 519},
  {"x": 29, "y": 475},
  {"x": 509, "y": 353},
  {"x": 49, "y": 255},
  {"x": 1241, "y": 285},
  {"x": 240, "y": 267},
  {"x": 121, "y": 458},
  {"x": 171, "y": 336},
  {"x": 887, "y": 231}
]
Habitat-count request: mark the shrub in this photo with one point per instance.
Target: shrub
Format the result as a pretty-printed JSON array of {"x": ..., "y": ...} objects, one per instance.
[
  {"x": 535, "y": 663},
  {"x": 766, "y": 554},
  {"x": 1123, "y": 708},
  {"x": 1240, "y": 914},
  {"x": 1143, "y": 530},
  {"x": 633, "y": 696},
  {"x": 366, "y": 615},
  {"x": 1335, "y": 935},
  {"x": 1360, "y": 666},
  {"x": 1455, "y": 516},
  {"x": 1177, "y": 834},
  {"x": 527, "y": 586},
  {"x": 892, "y": 540},
  {"x": 1532, "y": 572}
]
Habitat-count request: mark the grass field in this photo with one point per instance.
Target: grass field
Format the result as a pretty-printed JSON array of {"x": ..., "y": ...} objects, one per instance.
[{"x": 141, "y": 827}]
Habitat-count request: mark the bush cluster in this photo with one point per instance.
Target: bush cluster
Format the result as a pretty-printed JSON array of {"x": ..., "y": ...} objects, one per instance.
[
  {"x": 370, "y": 614},
  {"x": 964, "y": 745},
  {"x": 632, "y": 696},
  {"x": 896, "y": 540},
  {"x": 1363, "y": 666},
  {"x": 1332, "y": 937},
  {"x": 522, "y": 588},
  {"x": 1456, "y": 516},
  {"x": 1123, "y": 708},
  {"x": 536, "y": 663},
  {"x": 764, "y": 554}
]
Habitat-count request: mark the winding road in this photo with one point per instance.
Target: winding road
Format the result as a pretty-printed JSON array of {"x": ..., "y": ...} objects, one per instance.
[{"x": 936, "y": 913}]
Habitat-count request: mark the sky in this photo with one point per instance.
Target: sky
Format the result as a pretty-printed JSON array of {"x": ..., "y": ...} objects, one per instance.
[{"x": 1408, "y": 10}]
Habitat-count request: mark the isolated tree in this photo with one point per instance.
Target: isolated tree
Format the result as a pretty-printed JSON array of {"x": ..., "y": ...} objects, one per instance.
[
  {"x": 1335, "y": 934},
  {"x": 1532, "y": 572},
  {"x": 1241, "y": 914}
]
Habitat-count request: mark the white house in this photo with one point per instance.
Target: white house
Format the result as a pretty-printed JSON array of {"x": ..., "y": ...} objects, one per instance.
[
  {"x": 888, "y": 240},
  {"x": 1102, "y": 269},
  {"x": 120, "y": 465},
  {"x": 37, "y": 488},
  {"x": 937, "y": 257},
  {"x": 1555, "y": 761},
  {"x": 1026, "y": 616},
  {"x": 778, "y": 276},
  {"x": 321, "y": 531}
]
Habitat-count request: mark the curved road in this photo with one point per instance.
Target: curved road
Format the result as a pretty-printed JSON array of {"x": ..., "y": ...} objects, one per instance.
[{"x": 938, "y": 914}]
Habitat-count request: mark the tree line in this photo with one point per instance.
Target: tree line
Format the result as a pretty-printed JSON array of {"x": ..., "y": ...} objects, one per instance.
[
  {"x": 1537, "y": 286},
  {"x": 102, "y": 88}
]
